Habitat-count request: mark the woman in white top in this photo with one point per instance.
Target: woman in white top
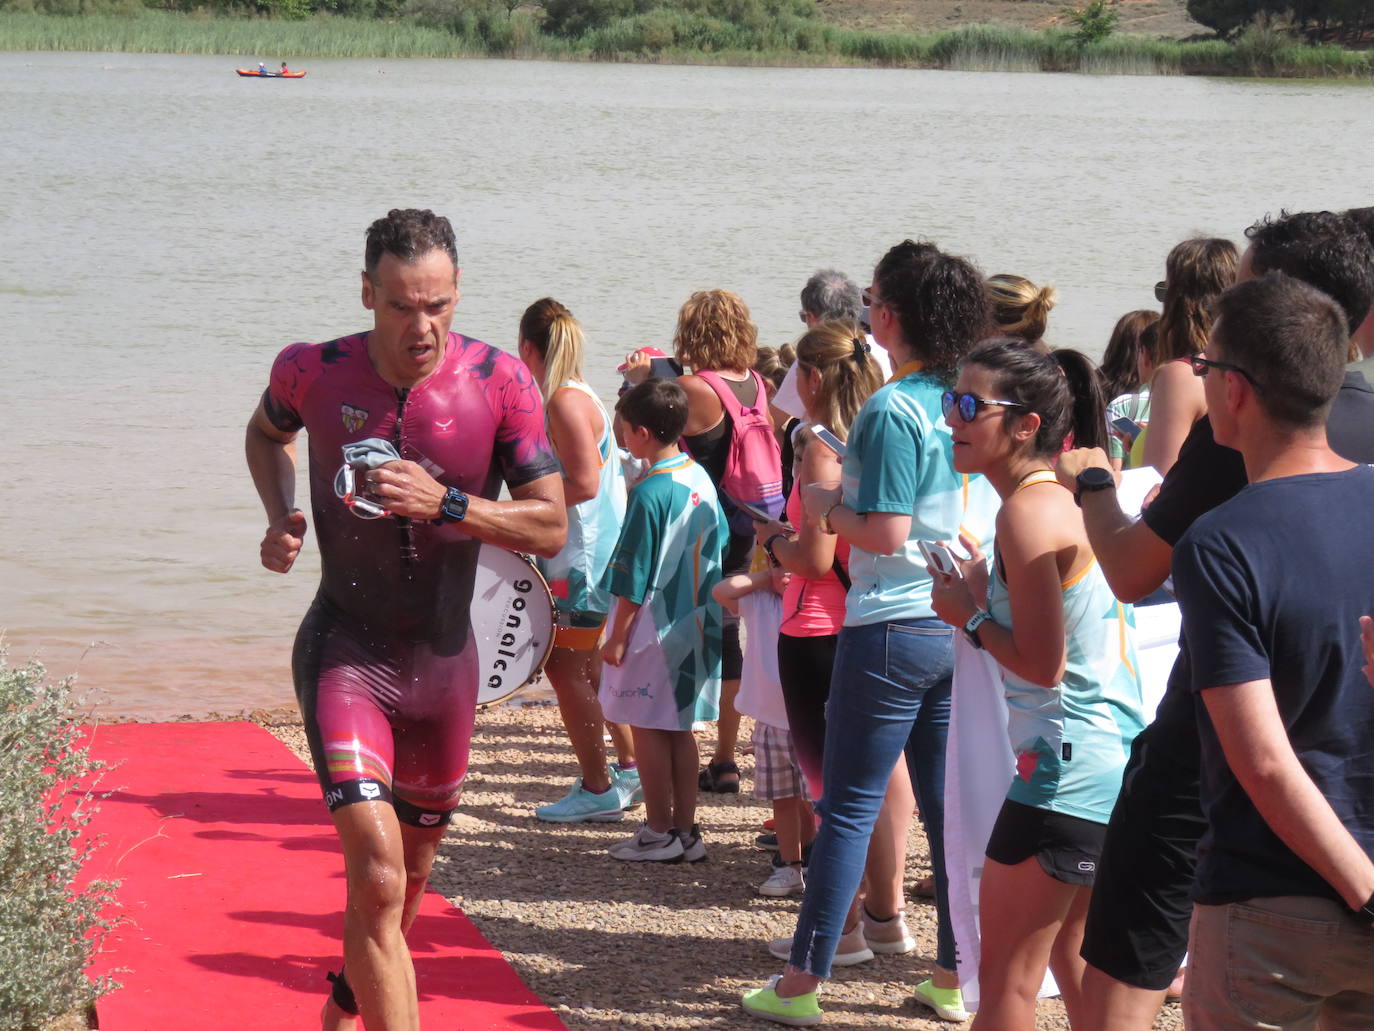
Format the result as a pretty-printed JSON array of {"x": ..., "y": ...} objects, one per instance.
[{"x": 552, "y": 345}]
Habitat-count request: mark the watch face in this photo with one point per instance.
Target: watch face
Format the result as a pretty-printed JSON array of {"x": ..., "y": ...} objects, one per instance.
[{"x": 1096, "y": 478}]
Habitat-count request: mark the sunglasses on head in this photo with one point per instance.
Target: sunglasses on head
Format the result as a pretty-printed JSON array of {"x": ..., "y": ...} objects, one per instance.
[{"x": 967, "y": 405}]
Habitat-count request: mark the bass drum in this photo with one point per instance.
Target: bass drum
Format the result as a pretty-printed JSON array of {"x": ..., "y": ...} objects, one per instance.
[{"x": 512, "y": 617}]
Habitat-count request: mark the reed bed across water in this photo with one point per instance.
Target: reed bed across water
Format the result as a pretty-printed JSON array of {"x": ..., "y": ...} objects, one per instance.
[{"x": 671, "y": 36}]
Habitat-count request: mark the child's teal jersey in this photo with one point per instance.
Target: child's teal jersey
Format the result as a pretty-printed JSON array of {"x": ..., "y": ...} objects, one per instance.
[
  {"x": 667, "y": 560},
  {"x": 1072, "y": 740},
  {"x": 899, "y": 462}
]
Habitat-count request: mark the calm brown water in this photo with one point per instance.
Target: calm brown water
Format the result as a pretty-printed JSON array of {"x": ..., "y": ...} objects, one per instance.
[{"x": 167, "y": 228}]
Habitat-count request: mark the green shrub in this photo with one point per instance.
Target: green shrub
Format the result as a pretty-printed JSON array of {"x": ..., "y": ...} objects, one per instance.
[
  {"x": 1093, "y": 22},
  {"x": 49, "y": 929}
]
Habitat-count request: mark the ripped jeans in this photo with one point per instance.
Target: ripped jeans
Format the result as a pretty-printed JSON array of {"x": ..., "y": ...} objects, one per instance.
[{"x": 889, "y": 694}]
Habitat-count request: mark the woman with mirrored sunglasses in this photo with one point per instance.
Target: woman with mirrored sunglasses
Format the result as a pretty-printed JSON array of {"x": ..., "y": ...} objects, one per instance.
[{"x": 1064, "y": 645}]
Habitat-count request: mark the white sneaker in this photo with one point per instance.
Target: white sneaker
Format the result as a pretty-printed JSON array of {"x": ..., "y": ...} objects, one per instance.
[
  {"x": 785, "y": 881},
  {"x": 693, "y": 848},
  {"x": 648, "y": 845},
  {"x": 850, "y": 951},
  {"x": 888, "y": 937}
]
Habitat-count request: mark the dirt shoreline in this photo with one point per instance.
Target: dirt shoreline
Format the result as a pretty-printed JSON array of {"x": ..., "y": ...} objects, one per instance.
[{"x": 619, "y": 945}]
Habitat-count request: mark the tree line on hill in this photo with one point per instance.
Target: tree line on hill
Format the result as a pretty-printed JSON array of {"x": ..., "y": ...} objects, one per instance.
[{"x": 1346, "y": 21}]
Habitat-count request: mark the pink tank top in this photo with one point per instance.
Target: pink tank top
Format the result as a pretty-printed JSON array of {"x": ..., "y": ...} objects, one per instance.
[{"x": 813, "y": 608}]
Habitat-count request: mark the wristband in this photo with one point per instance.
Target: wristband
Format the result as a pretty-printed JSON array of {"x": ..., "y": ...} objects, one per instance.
[{"x": 971, "y": 627}]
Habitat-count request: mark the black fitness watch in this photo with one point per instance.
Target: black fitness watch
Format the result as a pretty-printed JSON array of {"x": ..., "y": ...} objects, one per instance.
[
  {"x": 1091, "y": 479},
  {"x": 768, "y": 547},
  {"x": 454, "y": 506}
]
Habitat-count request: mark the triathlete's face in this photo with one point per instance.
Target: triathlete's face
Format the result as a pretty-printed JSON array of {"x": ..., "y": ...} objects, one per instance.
[{"x": 412, "y": 305}]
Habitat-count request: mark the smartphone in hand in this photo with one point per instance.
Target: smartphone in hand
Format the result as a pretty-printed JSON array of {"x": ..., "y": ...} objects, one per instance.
[
  {"x": 940, "y": 558},
  {"x": 829, "y": 439}
]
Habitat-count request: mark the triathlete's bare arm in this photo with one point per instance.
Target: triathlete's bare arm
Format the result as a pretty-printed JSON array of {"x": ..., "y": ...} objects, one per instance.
[{"x": 271, "y": 455}]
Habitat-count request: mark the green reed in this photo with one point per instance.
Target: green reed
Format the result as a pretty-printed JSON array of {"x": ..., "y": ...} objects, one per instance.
[{"x": 678, "y": 35}]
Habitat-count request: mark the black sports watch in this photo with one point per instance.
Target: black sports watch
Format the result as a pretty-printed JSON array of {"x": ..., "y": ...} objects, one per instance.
[
  {"x": 768, "y": 546},
  {"x": 1093, "y": 478},
  {"x": 454, "y": 506}
]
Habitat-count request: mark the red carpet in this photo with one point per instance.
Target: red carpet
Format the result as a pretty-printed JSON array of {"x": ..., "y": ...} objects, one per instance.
[{"x": 233, "y": 894}]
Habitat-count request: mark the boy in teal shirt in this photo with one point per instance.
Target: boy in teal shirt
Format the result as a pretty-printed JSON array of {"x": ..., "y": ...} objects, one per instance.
[{"x": 663, "y": 641}]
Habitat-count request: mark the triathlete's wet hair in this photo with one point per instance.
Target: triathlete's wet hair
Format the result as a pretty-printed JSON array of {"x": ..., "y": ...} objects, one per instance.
[
  {"x": 1326, "y": 250},
  {"x": 409, "y": 234},
  {"x": 1290, "y": 338},
  {"x": 657, "y": 405},
  {"x": 1061, "y": 387},
  {"x": 939, "y": 300}
]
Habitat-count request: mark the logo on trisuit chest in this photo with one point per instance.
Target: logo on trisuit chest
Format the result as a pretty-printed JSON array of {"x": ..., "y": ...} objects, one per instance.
[{"x": 354, "y": 419}]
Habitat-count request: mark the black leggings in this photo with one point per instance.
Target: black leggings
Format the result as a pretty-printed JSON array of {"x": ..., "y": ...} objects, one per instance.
[{"x": 804, "y": 667}]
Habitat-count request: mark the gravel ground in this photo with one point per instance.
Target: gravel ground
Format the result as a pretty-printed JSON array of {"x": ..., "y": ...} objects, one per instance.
[{"x": 638, "y": 946}]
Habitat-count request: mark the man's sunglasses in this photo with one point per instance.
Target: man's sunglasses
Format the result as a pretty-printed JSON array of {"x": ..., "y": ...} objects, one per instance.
[
  {"x": 1201, "y": 366},
  {"x": 967, "y": 405}
]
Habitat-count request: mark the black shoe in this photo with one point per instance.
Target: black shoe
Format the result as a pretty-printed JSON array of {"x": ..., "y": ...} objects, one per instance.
[
  {"x": 767, "y": 842},
  {"x": 713, "y": 778}
]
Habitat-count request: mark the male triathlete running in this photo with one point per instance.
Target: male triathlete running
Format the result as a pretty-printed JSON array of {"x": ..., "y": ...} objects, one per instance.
[{"x": 384, "y": 669}]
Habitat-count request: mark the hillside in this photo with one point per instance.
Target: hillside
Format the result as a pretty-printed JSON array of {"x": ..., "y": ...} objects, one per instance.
[{"x": 1138, "y": 17}]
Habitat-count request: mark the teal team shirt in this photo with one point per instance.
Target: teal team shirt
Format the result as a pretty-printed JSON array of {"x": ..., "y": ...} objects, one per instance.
[
  {"x": 1071, "y": 741},
  {"x": 899, "y": 461},
  {"x": 667, "y": 559}
]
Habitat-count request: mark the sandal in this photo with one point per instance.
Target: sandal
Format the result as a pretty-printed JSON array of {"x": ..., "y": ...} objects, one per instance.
[{"x": 713, "y": 778}]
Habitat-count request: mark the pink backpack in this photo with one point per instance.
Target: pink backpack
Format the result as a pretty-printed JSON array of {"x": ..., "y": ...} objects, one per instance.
[{"x": 753, "y": 466}]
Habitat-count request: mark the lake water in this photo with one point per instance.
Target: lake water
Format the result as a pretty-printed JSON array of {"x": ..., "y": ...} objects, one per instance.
[{"x": 167, "y": 227}]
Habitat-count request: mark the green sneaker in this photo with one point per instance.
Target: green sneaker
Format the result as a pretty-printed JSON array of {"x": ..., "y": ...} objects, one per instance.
[
  {"x": 948, "y": 1003},
  {"x": 582, "y": 806},
  {"x": 798, "y": 1011},
  {"x": 627, "y": 783}
]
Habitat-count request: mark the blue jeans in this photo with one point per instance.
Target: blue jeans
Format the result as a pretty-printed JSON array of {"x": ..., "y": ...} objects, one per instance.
[{"x": 889, "y": 694}]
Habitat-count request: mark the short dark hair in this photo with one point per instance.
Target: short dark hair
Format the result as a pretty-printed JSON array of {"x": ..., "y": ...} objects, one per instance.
[
  {"x": 1061, "y": 386},
  {"x": 830, "y": 294},
  {"x": 657, "y": 405},
  {"x": 1326, "y": 250},
  {"x": 939, "y": 300},
  {"x": 1364, "y": 218},
  {"x": 408, "y": 233},
  {"x": 1290, "y": 338}
]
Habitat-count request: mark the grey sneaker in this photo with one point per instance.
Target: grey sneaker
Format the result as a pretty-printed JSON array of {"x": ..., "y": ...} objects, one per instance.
[
  {"x": 888, "y": 937},
  {"x": 851, "y": 950},
  {"x": 648, "y": 845}
]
